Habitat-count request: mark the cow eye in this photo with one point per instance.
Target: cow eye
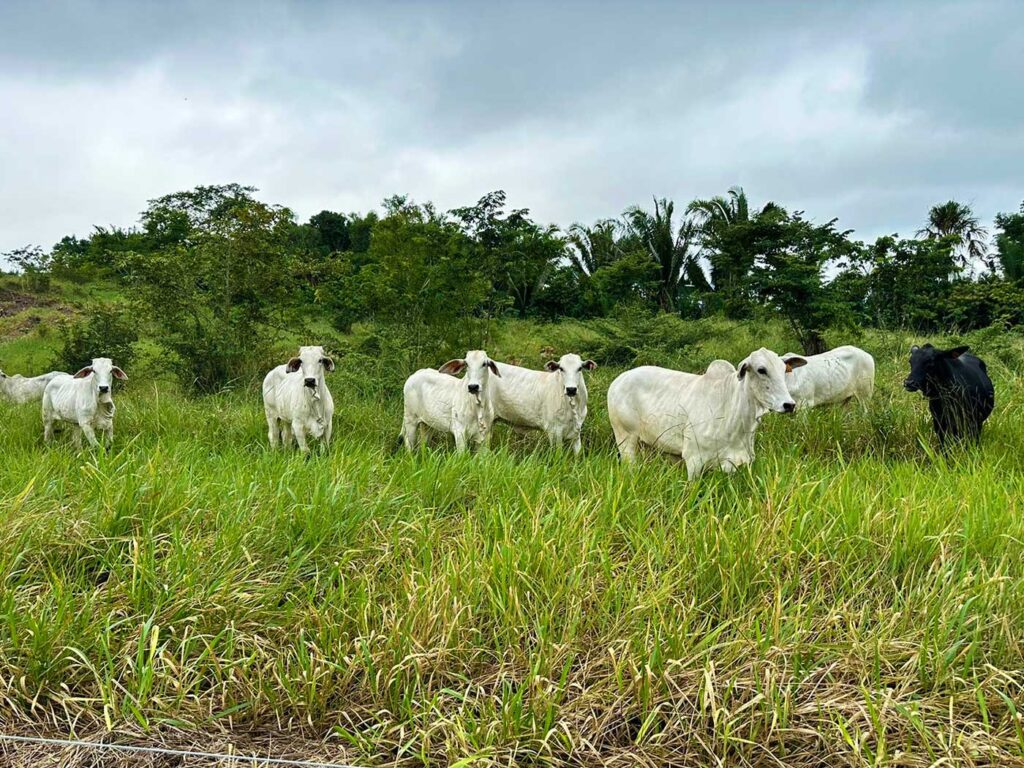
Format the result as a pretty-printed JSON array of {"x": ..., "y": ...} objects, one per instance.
[{"x": 762, "y": 371}]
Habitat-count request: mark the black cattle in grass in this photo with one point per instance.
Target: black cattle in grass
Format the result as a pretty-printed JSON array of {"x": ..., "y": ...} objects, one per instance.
[{"x": 960, "y": 393}]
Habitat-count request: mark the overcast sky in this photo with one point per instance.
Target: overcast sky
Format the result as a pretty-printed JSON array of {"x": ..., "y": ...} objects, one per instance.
[{"x": 865, "y": 112}]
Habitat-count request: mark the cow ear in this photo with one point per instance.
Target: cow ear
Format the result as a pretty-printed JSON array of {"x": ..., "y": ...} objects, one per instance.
[
  {"x": 955, "y": 352},
  {"x": 743, "y": 370},
  {"x": 553, "y": 366},
  {"x": 494, "y": 368},
  {"x": 83, "y": 373},
  {"x": 453, "y": 367},
  {"x": 293, "y": 365},
  {"x": 328, "y": 363},
  {"x": 119, "y": 374},
  {"x": 590, "y": 365},
  {"x": 794, "y": 362}
]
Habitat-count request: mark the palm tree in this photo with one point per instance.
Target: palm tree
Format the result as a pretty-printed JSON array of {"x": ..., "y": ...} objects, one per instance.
[
  {"x": 671, "y": 249},
  {"x": 957, "y": 219},
  {"x": 730, "y": 258},
  {"x": 591, "y": 248}
]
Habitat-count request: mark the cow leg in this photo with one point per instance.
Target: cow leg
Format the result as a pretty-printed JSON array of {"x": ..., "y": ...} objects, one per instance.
[
  {"x": 47, "y": 430},
  {"x": 299, "y": 430},
  {"x": 627, "y": 445},
  {"x": 272, "y": 431},
  {"x": 695, "y": 466},
  {"x": 410, "y": 433},
  {"x": 109, "y": 432},
  {"x": 90, "y": 434},
  {"x": 460, "y": 439},
  {"x": 577, "y": 444}
]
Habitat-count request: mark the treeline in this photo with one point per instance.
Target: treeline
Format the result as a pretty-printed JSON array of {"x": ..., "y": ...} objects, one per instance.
[{"x": 218, "y": 271}]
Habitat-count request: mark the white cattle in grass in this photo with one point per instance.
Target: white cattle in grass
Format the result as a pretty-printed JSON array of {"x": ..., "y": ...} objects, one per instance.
[
  {"x": 444, "y": 403},
  {"x": 84, "y": 399},
  {"x": 554, "y": 401},
  {"x": 838, "y": 376},
  {"x": 21, "y": 389},
  {"x": 707, "y": 420},
  {"x": 296, "y": 400}
]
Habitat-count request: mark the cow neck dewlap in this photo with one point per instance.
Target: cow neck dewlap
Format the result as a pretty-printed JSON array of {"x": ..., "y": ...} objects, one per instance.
[
  {"x": 574, "y": 406},
  {"x": 480, "y": 420},
  {"x": 318, "y": 403}
]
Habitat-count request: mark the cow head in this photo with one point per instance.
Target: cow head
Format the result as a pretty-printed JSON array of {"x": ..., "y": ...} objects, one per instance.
[
  {"x": 313, "y": 363},
  {"x": 926, "y": 363},
  {"x": 478, "y": 367},
  {"x": 764, "y": 374},
  {"x": 569, "y": 369},
  {"x": 103, "y": 371}
]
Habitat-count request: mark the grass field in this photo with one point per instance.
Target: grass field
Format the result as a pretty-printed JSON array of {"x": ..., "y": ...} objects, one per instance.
[{"x": 853, "y": 599}]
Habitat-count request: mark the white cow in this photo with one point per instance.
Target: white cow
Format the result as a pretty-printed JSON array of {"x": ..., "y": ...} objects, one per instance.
[
  {"x": 554, "y": 400},
  {"x": 837, "y": 376},
  {"x": 706, "y": 420},
  {"x": 84, "y": 399},
  {"x": 19, "y": 389},
  {"x": 296, "y": 400},
  {"x": 462, "y": 407}
]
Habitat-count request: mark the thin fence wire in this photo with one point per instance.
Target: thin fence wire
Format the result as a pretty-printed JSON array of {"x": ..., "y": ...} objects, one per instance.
[{"x": 254, "y": 760}]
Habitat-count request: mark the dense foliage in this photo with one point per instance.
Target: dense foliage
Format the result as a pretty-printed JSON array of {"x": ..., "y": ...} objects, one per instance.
[{"x": 220, "y": 273}]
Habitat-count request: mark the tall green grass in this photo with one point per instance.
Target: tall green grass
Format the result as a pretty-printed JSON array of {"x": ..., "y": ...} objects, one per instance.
[{"x": 853, "y": 598}]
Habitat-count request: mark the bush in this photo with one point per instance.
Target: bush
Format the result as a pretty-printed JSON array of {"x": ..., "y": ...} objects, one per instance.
[
  {"x": 109, "y": 330},
  {"x": 990, "y": 302}
]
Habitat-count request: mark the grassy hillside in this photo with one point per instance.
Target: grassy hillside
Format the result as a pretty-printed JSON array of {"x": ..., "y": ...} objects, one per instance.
[{"x": 852, "y": 599}]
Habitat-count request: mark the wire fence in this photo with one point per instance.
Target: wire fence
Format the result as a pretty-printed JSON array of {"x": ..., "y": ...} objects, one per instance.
[{"x": 235, "y": 759}]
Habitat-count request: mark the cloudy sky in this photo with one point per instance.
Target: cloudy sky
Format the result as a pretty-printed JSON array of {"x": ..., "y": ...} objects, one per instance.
[{"x": 867, "y": 112}]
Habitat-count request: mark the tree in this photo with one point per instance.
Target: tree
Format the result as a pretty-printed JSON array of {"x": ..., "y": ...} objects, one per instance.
[
  {"x": 1010, "y": 244},
  {"x": 788, "y": 276},
  {"x": 671, "y": 250},
  {"x": 728, "y": 235},
  {"x": 957, "y": 220},
  {"x": 910, "y": 280},
  {"x": 34, "y": 264},
  {"x": 423, "y": 270},
  {"x": 331, "y": 232},
  {"x": 218, "y": 281},
  {"x": 590, "y": 248},
  {"x": 517, "y": 255}
]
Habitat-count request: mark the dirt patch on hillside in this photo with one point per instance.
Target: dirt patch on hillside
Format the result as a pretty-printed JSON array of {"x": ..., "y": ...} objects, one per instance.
[{"x": 15, "y": 302}]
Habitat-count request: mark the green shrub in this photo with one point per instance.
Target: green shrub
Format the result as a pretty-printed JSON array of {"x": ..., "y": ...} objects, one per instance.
[{"x": 108, "y": 330}]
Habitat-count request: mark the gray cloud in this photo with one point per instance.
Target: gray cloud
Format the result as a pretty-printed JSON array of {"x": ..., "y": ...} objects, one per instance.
[{"x": 866, "y": 112}]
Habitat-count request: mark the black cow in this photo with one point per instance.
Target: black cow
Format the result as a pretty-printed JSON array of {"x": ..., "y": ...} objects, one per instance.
[{"x": 960, "y": 393}]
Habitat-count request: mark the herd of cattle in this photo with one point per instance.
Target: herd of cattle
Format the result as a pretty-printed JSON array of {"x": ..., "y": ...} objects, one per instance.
[{"x": 708, "y": 420}]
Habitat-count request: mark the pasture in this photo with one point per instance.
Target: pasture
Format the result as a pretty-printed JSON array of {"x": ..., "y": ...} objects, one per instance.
[{"x": 854, "y": 598}]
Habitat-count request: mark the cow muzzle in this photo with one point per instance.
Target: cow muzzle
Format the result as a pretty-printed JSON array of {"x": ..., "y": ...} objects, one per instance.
[
  {"x": 474, "y": 389},
  {"x": 570, "y": 391},
  {"x": 103, "y": 389},
  {"x": 788, "y": 407},
  {"x": 911, "y": 386},
  {"x": 311, "y": 383}
]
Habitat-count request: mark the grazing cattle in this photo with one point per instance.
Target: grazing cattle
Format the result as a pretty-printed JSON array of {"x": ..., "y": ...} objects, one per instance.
[
  {"x": 960, "y": 393},
  {"x": 296, "y": 400},
  {"x": 706, "y": 420},
  {"x": 84, "y": 399},
  {"x": 462, "y": 407},
  {"x": 553, "y": 400},
  {"x": 838, "y": 376},
  {"x": 19, "y": 389}
]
